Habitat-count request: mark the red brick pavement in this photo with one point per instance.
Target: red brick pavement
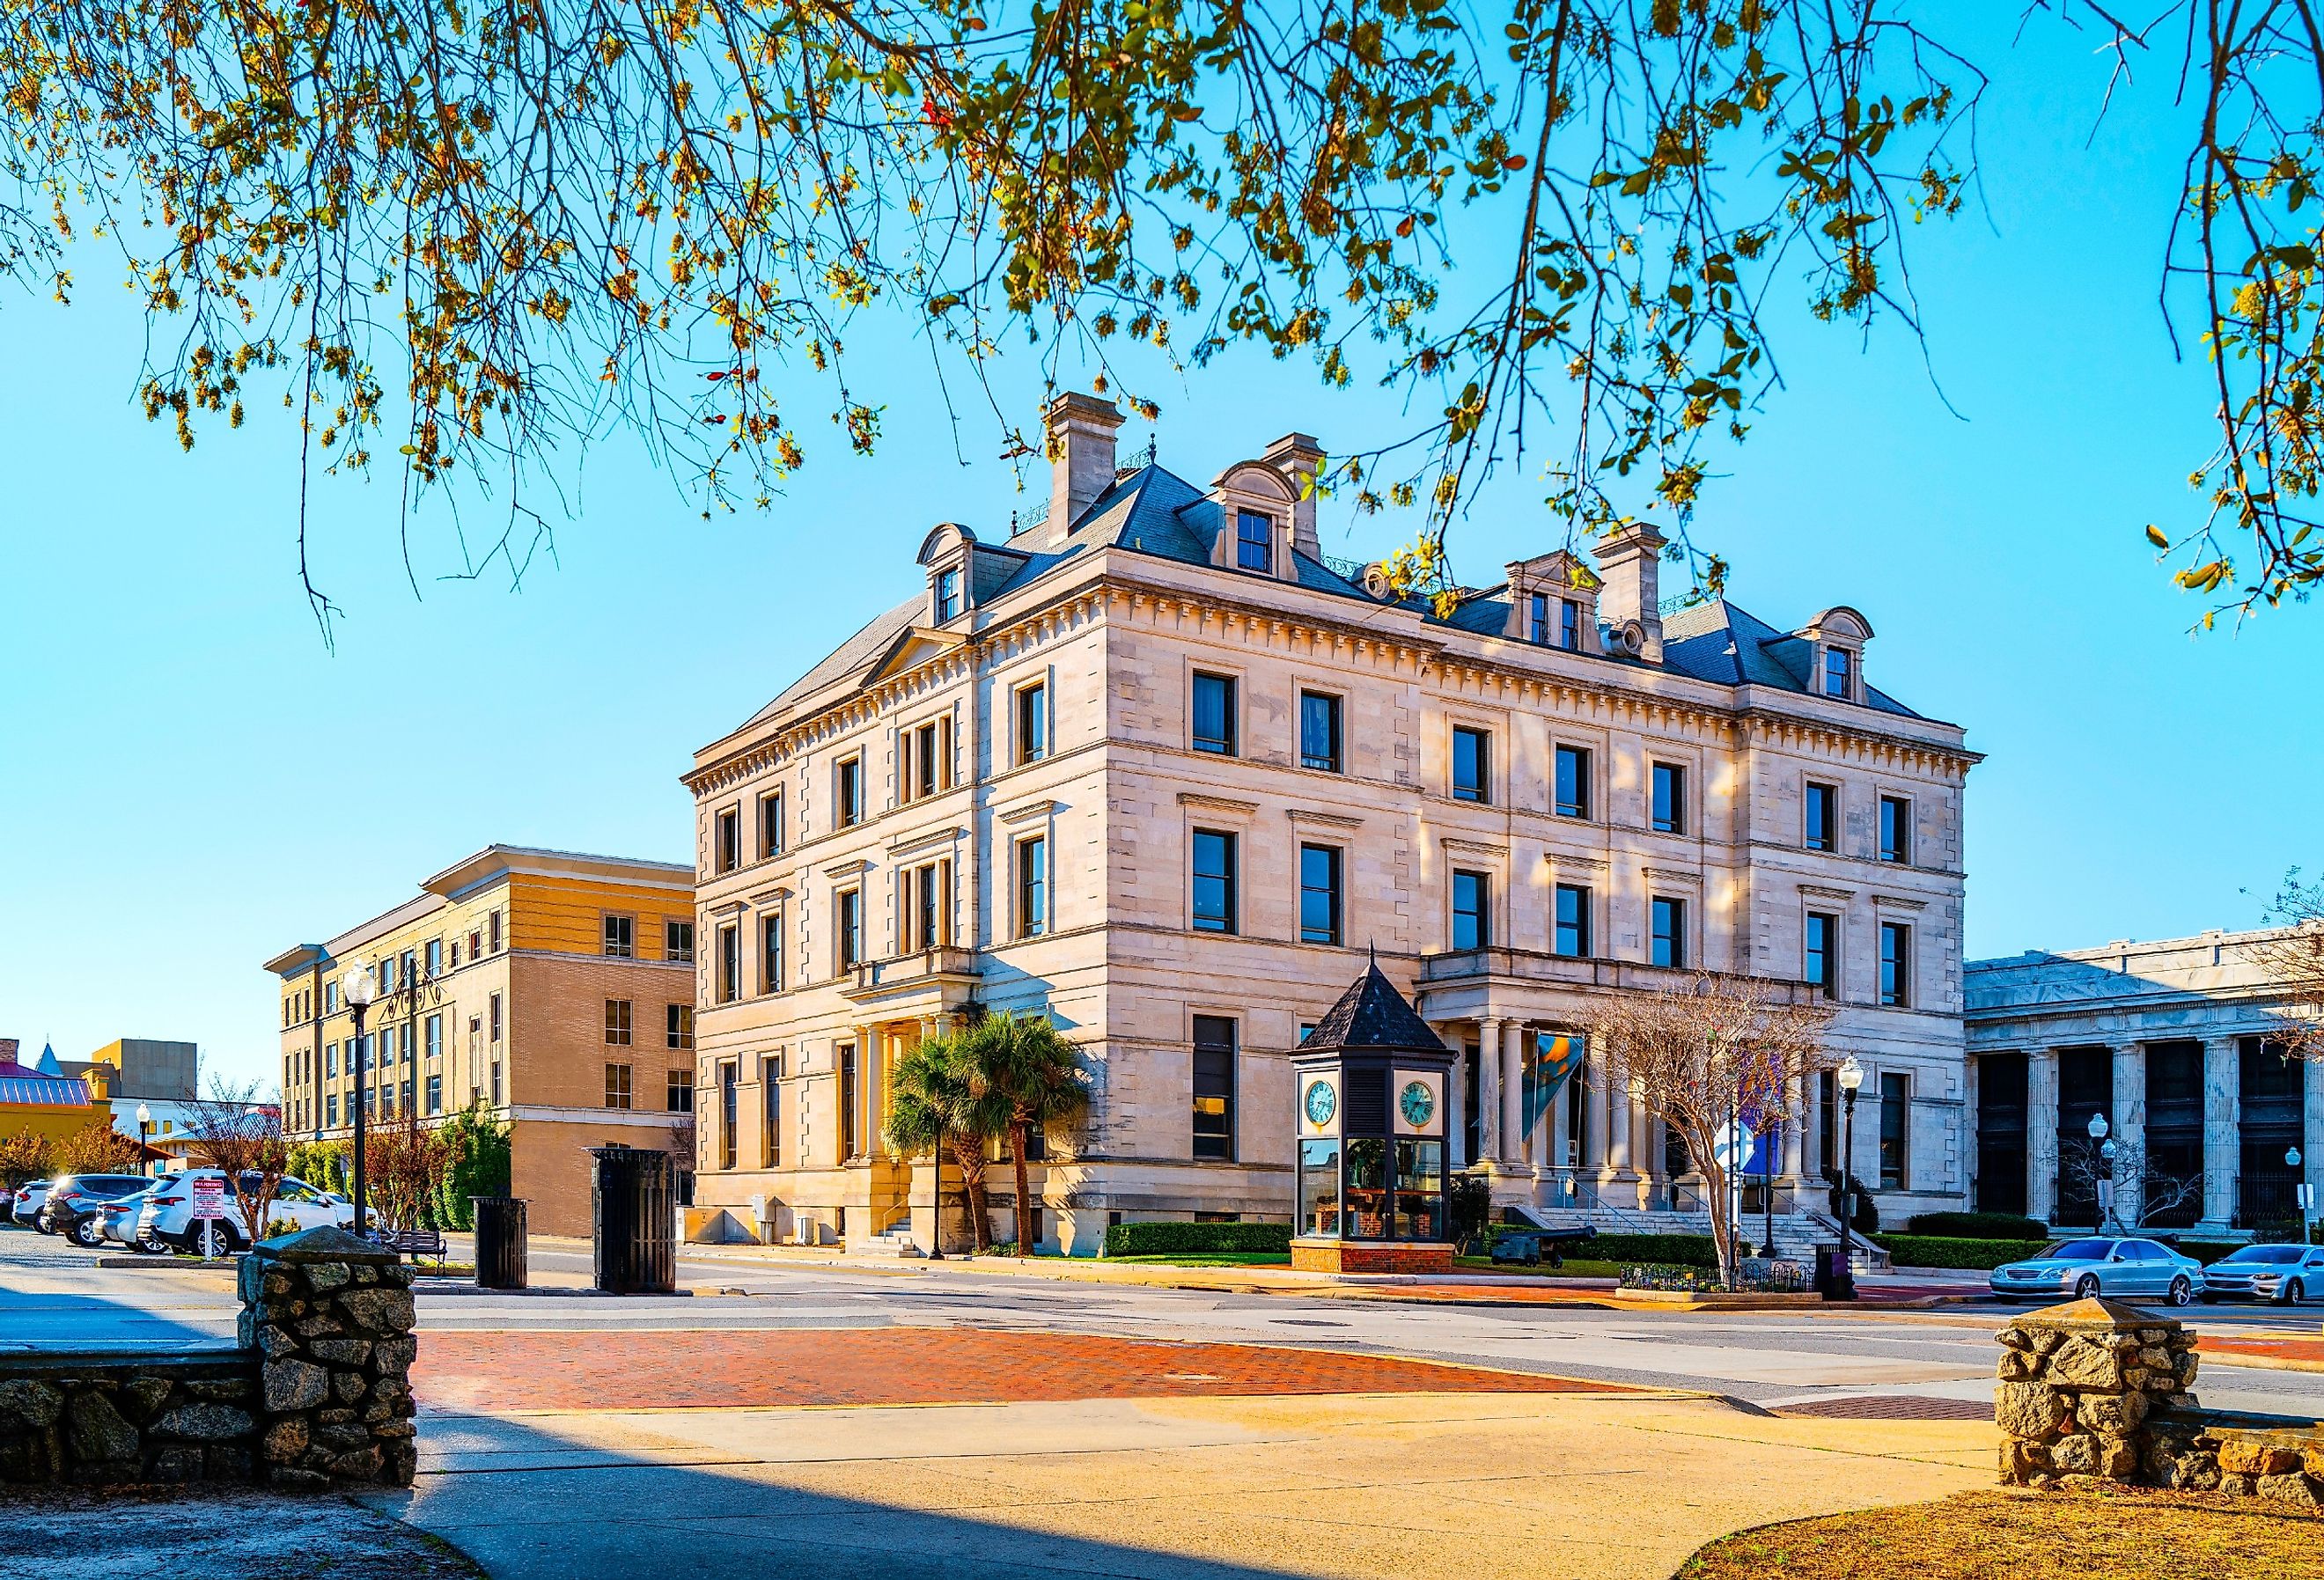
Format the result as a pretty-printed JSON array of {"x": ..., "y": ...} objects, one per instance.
[
  {"x": 629, "y": 1370},
  {"x": 2293, "y": 1352}
]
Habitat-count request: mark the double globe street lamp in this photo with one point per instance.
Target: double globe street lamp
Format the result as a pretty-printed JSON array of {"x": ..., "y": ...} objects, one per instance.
[
  {"x": 2106, "y": 1153},
  {"x": 1849, "y": 1079},
  {"x": 359, "y": 986}
]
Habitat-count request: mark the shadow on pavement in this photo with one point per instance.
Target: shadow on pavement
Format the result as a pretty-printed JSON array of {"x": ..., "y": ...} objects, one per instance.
[{"x": 54, "y": 1295}]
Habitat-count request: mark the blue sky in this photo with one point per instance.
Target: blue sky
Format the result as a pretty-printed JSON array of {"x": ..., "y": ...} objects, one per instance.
[{"x": 190, "y": 782}]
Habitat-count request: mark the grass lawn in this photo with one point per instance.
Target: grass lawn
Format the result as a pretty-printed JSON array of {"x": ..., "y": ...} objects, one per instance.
[
  {"x": 1575, "y": 1268},
  {"x": 2039, "y": 1536},
  {"x": 1210, "y": 1258}
]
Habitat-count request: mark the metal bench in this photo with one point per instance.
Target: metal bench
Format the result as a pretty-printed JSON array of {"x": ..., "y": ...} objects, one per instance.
[{"x": 414, "y": 1244}]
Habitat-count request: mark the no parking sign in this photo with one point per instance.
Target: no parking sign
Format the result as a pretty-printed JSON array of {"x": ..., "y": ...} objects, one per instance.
[{"x": 209, "y": 1198}]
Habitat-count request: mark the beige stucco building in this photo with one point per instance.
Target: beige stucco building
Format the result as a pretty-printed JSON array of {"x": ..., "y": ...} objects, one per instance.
[
  {"x": 553, "y": 989},
  {"x": 1154, "y": 765}
]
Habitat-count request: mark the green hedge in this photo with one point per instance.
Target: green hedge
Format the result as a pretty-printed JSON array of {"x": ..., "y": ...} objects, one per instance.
[
  {"x": 1678, "y": 1250},
  {"x": 2206, "y": 1251},
  {"x": 1955, "y": 1251},
  {"x": 1977, "y": 1226},
  {"x": 1169, "y": 1239}
]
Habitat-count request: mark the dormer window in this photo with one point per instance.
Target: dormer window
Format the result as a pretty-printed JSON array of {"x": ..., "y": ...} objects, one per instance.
[
  {"x": 1838, "y": 672},
  {"x": 1537, "y": 619},
  {"x": 1552, "y": 602},
  {"x": 1255, "y": 542},
  {"x": 1569, "y": 624},
  {"x": 947, "y": 595}
]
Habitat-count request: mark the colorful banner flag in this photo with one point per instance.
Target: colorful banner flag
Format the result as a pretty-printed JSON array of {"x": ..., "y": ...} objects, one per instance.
[{"x": 1554, "y": 1059}]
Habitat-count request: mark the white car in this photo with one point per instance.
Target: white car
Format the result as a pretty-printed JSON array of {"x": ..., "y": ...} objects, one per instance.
[
  {"x": 168, "y": 1218},
  {"x": 30, "y": 1197}
]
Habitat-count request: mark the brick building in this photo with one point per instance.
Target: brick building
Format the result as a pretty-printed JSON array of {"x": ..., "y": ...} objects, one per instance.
[
  {"x": 1154, "y": 765},
  {"x": 555, "y": 990}
]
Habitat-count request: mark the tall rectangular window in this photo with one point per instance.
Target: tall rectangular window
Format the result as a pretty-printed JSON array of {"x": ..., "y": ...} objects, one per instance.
[
  {"x": 678, "y": 1026},
  {"x": 435, "y": 1090},
  {"x": 493, "y": 923},
  {"x": 1896, "y": 964},
  {"x": 1214, "y": 881},
  {"x": 1319, "y": 731},
  {"x": 730, "y": 839},
  {"x": 771, "y": 951},
  {"x": 847, "y": 907},
  {"x": 921, "y": 773},
  {"x": 1670, "y": 798},
  {"x": 1573, "y": 924},
  {"x": 1669, "y": 945},
  {"x": 1572, "y": 781},
  {"x": 947, "y": 595},
  {"x": 1032, "y": 887},
  {"x": 617, "y": 1022},
  {"x": 1895, "y": 1129},
  {"x": 847, "y": 1134},
  {"x": 432, "y": 1036},
  {"x": 1254, "y": 540},
  {"x": 1319, "y": 894},
  {"x": 849, "y": 789},
  {"x": 726, "y": 1114},
  {"x": 1569, "y": 624},
  {"x": 1819, "y": 814},
  {"x": 677, "y": 1091},
  {"x": 1838, "y": 672},
  {"x": 729, "y": 964},
  {"x": 770, "y": 1117},
  {"x": 1032, "y": 723},
  {"x": 923, "y": 905},
  {"x": 1214, "y": 713},
  {"x": 1896, "y": 830},
  {"x": 1214, "y": 1088},
  {"x": 620, "y": 936},
  {"x": 677, "y": 942},
  {"x": 617, "y": 1085},
  {"x": 492, "y": 1015},
  {"x": 1472, "y": 901},
  {"x": 434, "y": 958},
  {"x": 770, "y": 824},
  {"x": 1473, "y": 764},
  {"x": 1822, "y": 953},
  {"x": 1538, "y": 627}
]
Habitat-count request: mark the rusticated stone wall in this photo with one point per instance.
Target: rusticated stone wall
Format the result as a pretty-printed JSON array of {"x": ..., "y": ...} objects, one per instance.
[{"x": 100, "y": 1418}]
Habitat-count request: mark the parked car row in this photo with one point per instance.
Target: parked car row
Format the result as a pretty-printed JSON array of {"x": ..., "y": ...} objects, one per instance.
[
  {"x": 157, "y": 1215},
  {"x": 2098, "y": 1265}
]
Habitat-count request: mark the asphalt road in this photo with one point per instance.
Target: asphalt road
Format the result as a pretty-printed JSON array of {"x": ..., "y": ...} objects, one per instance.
[{"x": 52, "y": 1294}]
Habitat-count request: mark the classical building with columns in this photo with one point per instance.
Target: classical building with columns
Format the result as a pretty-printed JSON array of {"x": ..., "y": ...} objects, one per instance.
[
  {"x": 1152, "y": 764},
  {"x": 2174, "y": 1042}
]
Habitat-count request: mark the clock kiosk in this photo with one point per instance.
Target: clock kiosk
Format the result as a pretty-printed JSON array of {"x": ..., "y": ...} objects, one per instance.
[{"x": 1371, "y": 1080}]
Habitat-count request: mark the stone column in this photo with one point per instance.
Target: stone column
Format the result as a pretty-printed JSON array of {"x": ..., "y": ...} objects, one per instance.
[
  {"x": 1647, "y": 1150},
  {"x": 1488, "y": 1090},
  {"x": 2040, "y": 1132},
  {"x": 2311, "y": 1134},
  {"x": 1794, "y": 1130},
  {"x": 1598, "y": 1124},
  {"x": 332, "y": 1316},
  {"x": 1618, "y": 1130},
  {"x": 2129, "y": 1128},
  {"x": 1514, "y": 1145},
  {"x": 1456, "y": 1094},
  {"x": 2222, "y": 1130},
  {"x": 2078, "y": 1385}
]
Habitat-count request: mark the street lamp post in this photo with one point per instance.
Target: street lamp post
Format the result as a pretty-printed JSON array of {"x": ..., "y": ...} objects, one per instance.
[
  {"x": 1850, "y": 1077},
  {"x": 2302, "y": 1194},
  {"x": 936, "y": 1239},
  {"x": 2105, "y": 1183},
  {"x": 144, "y": 1128},
  {"x": 359, "y": 987}
]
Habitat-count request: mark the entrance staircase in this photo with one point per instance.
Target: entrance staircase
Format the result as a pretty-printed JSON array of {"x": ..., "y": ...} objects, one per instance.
[{"x": 897, "y": 1241}]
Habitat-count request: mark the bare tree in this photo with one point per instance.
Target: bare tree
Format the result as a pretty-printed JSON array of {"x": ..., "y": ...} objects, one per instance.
[
  {"x": 231, "y": 1131},
  {"x": 404, "y": 1170},
  {"x": 2292, "y": 957},
  {"x": 2144, "y": 1191},
  {"x": 1700, "y": 1058}
]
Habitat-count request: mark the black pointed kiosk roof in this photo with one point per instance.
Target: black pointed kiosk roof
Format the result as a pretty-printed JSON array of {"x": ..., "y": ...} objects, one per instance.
[{"x": 1371, "y": 1014}]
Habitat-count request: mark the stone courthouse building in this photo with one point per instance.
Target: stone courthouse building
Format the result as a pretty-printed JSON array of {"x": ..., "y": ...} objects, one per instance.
[{"x": 1151, "y": 764}]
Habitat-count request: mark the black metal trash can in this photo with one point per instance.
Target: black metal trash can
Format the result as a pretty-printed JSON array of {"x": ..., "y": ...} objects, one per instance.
[
  {"x": 501, "y": 1258},
  {"x": 636, "y": 1222},
  {"x": 1833, "y": 1281}
]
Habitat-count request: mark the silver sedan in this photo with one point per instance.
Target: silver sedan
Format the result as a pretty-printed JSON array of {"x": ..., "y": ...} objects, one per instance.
[
  {"x": 2288, "y": 1274},
  {"x": 2079, "y": 1269}
]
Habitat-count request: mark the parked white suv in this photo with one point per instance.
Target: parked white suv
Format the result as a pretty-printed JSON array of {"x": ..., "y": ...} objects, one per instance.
[
  {"x": 31, "y": 1197},
  {"x": 168, "y": 1218}
]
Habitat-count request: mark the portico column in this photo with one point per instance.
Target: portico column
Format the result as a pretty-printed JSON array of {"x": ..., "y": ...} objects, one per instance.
[
  {"x": 1645, "y": 1156},
  {"x": 1456, "y": 1095},
  {"x": 2311, "y": 1131},
  {"x": 1795, "y": 1128},
  {"x": 2222, "y": 1130},
  {"x": 2040, "y": 1132},
  {"x": 1514, "y": 1146},
  {"x": 1488, "y": 1090},
  {"x": 2129, "y": 1128},
  {"x": 1618, "y": 1127},
  {"x": 1598, "y": 1125}
]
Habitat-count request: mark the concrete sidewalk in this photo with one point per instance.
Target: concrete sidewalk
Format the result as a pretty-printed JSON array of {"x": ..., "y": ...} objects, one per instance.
[{"x": 1428, "y": 1486}]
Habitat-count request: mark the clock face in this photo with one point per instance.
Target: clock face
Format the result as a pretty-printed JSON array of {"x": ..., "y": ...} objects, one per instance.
[
  {"x": 1418, "y": 1103},
  {"x": 1321, "y": 1103}
]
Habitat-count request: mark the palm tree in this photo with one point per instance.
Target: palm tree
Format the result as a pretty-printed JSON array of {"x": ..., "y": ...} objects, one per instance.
[
  {"x": 1022, "y": 1063},
  {"x": 930, "y": 1106}
]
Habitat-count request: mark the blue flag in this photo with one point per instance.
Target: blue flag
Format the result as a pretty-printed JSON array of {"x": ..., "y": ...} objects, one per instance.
[{"x": 1554, "y": 1059}]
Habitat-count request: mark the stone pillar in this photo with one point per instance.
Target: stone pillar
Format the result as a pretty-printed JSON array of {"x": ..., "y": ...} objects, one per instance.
[
  {"x": 2222, "y": 1130},
  {"x": 2311, "y": 1134},
  {"x": 331, "y": 1315},
  {"x": 2040, "y": 1132},
  {"x": 1488, "y": 1090},
  {"x": 1617, "y": 1129},
  {"x": 1456, "y": 1092},
  {"x": 1598, "y": 1107},
  {"x": 2078, "y": 1384},
  {"x": 1794, "y": 1130},
  {"x": 1514, "y": 1145},
  {"x": 2129, "y": 1129}
]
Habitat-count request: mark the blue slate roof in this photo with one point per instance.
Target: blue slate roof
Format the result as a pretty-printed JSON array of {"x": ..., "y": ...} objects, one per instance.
[
  {"x": 1371, "y": 1014},
  {"x": 1151, "y": 511}
]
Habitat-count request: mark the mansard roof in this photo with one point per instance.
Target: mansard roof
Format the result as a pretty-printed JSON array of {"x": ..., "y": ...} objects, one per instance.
[
  {"x": 1371, "y": 1014},
  {"x": 1152, "y": 510}
]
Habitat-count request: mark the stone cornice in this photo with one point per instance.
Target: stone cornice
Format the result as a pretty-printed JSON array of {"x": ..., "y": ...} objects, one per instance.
[
  {"x": 1322, "y": 820},
  {"x": 1208, "y": 803},
  {"x": 928, "y": 840},
  {"x": 1031, "y": 812}
]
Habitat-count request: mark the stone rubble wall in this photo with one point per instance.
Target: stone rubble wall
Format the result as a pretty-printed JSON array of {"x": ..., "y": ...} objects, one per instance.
[
  {"x": 318, "y": 1392},
  {"x": 2095, "y": 1392}
]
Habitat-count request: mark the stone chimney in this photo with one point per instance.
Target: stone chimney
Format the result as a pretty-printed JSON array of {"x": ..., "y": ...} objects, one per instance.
[
  {"x": 1081, "y": 444},
  {"x": 1297, "y": 456},
  {"x": 98, "y": 1078},
  {"x": 1629, "y": 564}
]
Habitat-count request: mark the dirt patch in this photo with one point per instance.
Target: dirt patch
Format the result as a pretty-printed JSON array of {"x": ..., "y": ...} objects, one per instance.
[
  {"x": 138, "y": 1534},
  {"x": 2007, "y": 1534}
]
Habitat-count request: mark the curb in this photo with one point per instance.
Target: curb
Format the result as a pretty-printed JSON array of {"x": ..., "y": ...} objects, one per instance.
[
  {"x": 552, "y": 1291},
  {"x": 184, "y": 1264}
]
